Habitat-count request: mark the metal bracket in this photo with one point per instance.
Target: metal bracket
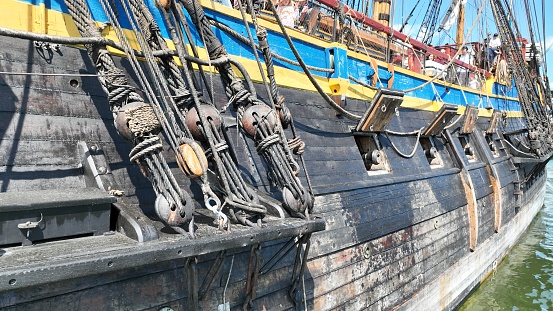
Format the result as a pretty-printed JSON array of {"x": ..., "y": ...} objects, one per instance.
[
  {"x": 299, "y": 266},
  {"x": 29, "y": 225},
  {"x": 131, "y": 221},
  {"x": 192, "y": 271},
  {"x": 252, "y": 276},
  {"x": 217, "y": 265}
]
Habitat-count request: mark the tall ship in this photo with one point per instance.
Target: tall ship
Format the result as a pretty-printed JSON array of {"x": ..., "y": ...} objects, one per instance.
[{"x": 266, "y": 155}]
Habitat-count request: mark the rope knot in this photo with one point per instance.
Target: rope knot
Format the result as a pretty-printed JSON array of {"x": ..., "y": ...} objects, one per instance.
[
  {"x": 145, "y": 147},
  {"x": 266, "y": 142},
  {"x": 296, "y": 145}
]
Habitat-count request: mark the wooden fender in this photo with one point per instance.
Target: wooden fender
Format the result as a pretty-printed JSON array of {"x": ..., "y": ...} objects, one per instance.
[
  {"x": 391, "y": 80},
  {"x": 472, "y": 207},
  {"x": 496, "y": 189},
  {"x": 374, "y": 66}
]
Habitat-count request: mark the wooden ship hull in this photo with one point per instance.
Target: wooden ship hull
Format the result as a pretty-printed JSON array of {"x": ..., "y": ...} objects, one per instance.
[{"x": 418, "y": 228}]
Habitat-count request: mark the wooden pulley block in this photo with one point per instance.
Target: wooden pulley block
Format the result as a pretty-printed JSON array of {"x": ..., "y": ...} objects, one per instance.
[
  {"x": 255, "y": 113},
  {"x": 166, "y": 4},
  {"x": 195, "y": 125},
  {"x": 190, "y": 163}
]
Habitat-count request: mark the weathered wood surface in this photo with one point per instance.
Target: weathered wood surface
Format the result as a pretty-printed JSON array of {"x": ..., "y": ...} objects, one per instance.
[
  {"x": 387, "y": 237},
  {"x": 448, "y": 289}
]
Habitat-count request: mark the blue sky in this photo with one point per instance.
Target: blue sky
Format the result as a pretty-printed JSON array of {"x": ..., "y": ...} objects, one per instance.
[{"x": 485, "y": 24}]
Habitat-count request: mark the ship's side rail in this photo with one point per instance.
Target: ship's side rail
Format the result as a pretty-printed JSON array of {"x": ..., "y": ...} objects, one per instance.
[{"x": 335, "y": 22}]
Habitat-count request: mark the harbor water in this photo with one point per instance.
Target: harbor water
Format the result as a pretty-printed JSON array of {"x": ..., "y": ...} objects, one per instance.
[{"x": 524, "y": 279}]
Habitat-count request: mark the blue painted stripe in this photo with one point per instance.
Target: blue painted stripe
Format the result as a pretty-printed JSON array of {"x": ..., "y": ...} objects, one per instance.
[{"x": 313, "y": 55}]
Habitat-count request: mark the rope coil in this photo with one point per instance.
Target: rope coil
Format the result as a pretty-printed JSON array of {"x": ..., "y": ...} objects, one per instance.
[
  {"x": 266, "y": 142},
  {"x": 145, "y": 147}
]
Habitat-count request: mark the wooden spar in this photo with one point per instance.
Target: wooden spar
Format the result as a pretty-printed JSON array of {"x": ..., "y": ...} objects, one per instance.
[
  {"x": 459, "y": 36},
  {"x": 381, "y": 11}
]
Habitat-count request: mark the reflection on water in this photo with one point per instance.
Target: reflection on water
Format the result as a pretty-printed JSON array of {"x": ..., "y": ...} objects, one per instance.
[{"x": 524, "y": 280}]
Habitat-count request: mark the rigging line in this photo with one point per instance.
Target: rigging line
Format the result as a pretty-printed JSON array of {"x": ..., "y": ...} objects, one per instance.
[
  {"x": 411, "y": 28},
  {"x": 75, "y": 41},
  {"x": 462, "y": 85},
  {"x": 167, "y": 71},
  {"x": 407, "y": 156},
  {"x": 11, "y": 73},
  {"x": 437, "y": 94},
  {"x": 245, "y": 40},
  {"x": 537, "y": 21},
  {"x": 452, "y": 60},
  {"x": 404, "y": 133},
  {"x": 273, "y": 91},
  {"x": 454, "y": 122},
  {"x": 530, "y": 24},
  {"x": 155, "y": 163},
  {"x": 429, "y": 22},
  {"x": 535, "y": 114},
  {"x": 366, "y": 52},
  {"x": 211, "y": 69},
  {"x": 136, "y": 66},
  {"x": 254, "y": 50},
  {"x": 520, "y": 151},
  {"x": 126, "y": 47},
  {"x": 226, "y": 283},
  {"x": 456, "y": 75},
  {"x": 408, "y": 17},
  {"x": 153, "y": 98},
  {"x": 507, "y": 104},
  {"x": 274, "y": 94},
  {"x": 164, "y": 80},
  {"x": 183, "y": 31},
  {"x": 352, "y": 78},
  {"x": 325, "y": 96},
  {"x": 53, "y": 39},
  {"x": 482, "y": 85},
  {"x": 230, "y": 178},
  {"x": 543, "y": 47},
  {"x": 92, "y": 40}
]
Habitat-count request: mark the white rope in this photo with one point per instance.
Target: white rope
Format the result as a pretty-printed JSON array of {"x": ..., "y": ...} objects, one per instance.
[
  {"x": 436, "y": 92},
  {"x": 462, "y": 91},
  {"x": 410, "y": 155},
  {"x": 454, "y": 122}
]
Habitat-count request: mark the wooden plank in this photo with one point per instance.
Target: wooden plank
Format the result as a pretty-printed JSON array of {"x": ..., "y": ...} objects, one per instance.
[
  {"x": 36, "y": 127},
  {"x": 25, "y": 152},
  {"x": 380, "y": 279},
  {"x": 444, "y": 292},
  {"x": 40, "y": 177}
]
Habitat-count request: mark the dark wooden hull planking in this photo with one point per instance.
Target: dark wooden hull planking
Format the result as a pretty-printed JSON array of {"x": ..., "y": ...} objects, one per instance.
[{"x": 419, "y": 235}]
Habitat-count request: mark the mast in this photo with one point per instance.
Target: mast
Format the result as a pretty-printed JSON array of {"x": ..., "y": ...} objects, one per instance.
[
  {"x": 381, "y": 11},
  {"x": 460, "y": 24}
]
